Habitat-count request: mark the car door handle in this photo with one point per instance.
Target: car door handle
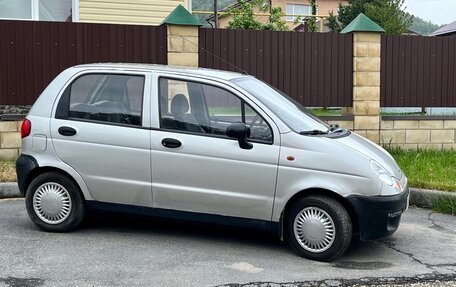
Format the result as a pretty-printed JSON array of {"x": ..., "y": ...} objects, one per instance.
[
  {"x": 171, "y": 143},
  {"x": 67, "y": 131}
]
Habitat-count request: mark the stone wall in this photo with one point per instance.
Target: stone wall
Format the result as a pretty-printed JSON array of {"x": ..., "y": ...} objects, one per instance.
[
  {"x": 419, "y": 133},
  {"x": 10, "y": 139}
]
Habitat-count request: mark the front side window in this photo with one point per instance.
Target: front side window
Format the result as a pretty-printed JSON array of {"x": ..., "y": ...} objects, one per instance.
[
  {"x": 296, "y": 9},
  {"x": 205, "y": 109},
  {"x": 104, "y": 98}
]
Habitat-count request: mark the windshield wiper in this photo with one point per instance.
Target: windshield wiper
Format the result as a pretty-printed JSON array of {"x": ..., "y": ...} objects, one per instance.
[{"x": 313, "y": 133}]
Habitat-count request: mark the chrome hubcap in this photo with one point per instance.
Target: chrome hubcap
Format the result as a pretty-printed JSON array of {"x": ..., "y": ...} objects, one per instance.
[
  {"x": 314, "y": 229},
  {"x": 52, "y": 203}
]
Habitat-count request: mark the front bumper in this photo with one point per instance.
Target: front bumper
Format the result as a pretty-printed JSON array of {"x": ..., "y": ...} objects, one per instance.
[{"x": 379, "y": 216}]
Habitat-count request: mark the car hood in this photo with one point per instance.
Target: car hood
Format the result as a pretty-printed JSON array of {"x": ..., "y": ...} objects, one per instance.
[{"x": 372, "y": 151}]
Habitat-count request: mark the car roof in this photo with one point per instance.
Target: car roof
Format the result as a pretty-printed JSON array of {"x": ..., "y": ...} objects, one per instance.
[{"x": 224, "y": 75}]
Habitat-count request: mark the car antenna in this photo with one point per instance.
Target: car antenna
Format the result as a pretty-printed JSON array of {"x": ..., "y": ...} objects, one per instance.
[{"x": 223, "y": 60}]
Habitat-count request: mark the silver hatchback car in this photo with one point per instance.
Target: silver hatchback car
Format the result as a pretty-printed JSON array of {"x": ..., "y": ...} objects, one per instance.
[{"x": 203, "y": 145}]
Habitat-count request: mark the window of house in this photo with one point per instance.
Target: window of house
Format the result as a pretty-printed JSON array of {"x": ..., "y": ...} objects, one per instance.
[
  {"x": 105, "y": 98},
  {"x": 43, "y": 10},
  {"x": 206, "y": 109},
  {"x": 296, "y": 9}
]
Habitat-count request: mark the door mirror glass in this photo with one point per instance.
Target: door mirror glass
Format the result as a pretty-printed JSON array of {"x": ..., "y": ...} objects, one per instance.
[{"x": 240, "y": 132}]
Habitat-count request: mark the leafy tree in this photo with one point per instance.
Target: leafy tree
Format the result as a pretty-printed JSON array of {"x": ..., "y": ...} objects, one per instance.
[
  {"x": 387, "y": 13},
  {"x": 244, "y": 16}
]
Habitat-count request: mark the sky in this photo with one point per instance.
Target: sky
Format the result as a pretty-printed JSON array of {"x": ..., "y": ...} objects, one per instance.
[{"x": 438, "y": 11}]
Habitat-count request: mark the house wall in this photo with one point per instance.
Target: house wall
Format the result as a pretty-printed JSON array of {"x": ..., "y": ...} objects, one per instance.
[
  {"x": 327, "y": 6},
  {"x": 127, "y": 11},
  {"x": 323, "y": 8}
]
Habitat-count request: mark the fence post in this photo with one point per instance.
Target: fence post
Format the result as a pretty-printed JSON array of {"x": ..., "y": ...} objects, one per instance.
[
  {"x": 366, "y": 76},
  {"x": 182, "y": 37}
]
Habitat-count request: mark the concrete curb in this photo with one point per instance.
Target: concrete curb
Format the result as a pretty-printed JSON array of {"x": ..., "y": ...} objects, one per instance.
[
  {"x": 427, "y": 197},
  {"x": 9, "y": 190},
  {"x": 418, "y": 197}
]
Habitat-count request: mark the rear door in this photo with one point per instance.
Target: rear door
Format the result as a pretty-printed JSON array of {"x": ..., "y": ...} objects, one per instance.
[
  {"x": 100, "y": 129},
  {"x": 195, "y": 166}
]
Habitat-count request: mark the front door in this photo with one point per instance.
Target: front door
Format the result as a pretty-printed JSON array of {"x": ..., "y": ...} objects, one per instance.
[
  {"x": 196, "y": 167},
  {"x": 98, "y": 131}
]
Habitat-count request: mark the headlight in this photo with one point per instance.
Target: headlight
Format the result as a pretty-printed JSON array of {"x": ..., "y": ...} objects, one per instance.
[{"x": 382, "y": 173}]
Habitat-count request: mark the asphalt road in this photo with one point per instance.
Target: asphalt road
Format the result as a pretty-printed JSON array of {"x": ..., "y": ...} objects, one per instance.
[{"x": 113, "y": 250}]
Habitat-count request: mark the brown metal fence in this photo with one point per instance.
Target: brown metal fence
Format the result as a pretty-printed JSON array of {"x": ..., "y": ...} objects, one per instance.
[
  {"x": 418, "y": 71},
  {"x": 316, "y": 69},
  {"x": 33, "y": 53}
]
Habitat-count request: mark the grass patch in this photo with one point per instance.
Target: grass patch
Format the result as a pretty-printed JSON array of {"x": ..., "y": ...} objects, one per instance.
[
  {"x": 430, "y": 169},
  {"x": 402, "y": 114},
  {"x": 445, "y": 204},
  {"x": 321, "y": 112},
  {"x": 7, "y": 170}
]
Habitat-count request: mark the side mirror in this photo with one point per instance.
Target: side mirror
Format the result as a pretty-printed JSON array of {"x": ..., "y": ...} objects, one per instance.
[{"x": 240, "y": 132}]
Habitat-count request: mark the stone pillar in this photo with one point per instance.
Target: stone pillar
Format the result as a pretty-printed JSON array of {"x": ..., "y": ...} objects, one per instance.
[
  {"x": 183, "y": 45},
  {"x": 182, "y": 37},
  {"x": 366, "y": 84},
  {"x": 366, "y": 76}
]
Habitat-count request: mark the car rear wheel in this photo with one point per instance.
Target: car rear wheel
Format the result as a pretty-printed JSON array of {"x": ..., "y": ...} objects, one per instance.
[
  {"x": 54, "y": 202},
  {"x": 318, "y": 227}
]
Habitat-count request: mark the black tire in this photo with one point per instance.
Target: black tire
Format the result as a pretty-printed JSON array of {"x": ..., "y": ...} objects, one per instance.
[
  {"x": 73, "y": 215},
  {"x": 341, "y": 224}
]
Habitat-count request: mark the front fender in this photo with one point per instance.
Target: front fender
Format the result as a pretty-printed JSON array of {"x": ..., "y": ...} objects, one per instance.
[{"x": 291, "y": 181}]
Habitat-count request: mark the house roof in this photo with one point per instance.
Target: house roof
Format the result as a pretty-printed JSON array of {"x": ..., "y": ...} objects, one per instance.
[
  {"x": 180, "y": 16},
  {"x": 448, "y": 29},
  {"x": 362, "y": 23}
]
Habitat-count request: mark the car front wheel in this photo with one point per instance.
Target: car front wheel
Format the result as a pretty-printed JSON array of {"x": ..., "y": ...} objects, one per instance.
[
  {"x": 54, "y": 202},
  {"x": 318, "y": 227}
]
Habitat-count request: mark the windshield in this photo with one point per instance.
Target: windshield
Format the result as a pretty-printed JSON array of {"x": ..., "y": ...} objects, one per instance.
[{"x": 292, "y": 113}]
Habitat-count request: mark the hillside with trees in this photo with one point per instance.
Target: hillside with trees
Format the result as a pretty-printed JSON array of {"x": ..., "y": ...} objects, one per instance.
[{"x": 423, "y": 27}]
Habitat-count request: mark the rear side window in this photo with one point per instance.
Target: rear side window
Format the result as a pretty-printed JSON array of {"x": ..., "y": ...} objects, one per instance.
[{"x": 104, "y": 98}]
